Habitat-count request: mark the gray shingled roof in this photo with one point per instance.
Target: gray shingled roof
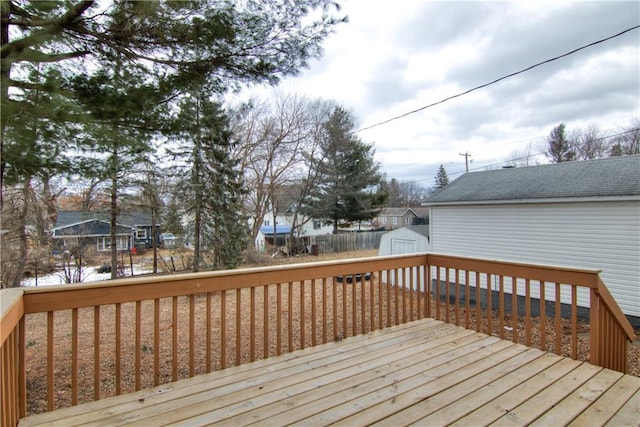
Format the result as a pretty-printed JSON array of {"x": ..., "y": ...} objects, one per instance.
[
  {"x": 610, "y": 177},
  {"x": 131, "y": 219},
  {"x": 420, "y": 229}
]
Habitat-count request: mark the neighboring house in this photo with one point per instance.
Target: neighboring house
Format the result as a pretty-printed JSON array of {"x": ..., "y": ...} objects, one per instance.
[
  {"x": 266, "y": 236},
  {"x": 582, "y": 214},
  {"x": 392, "y": 218},
  {"x": 143, "y": 226},
  {"x": 91, "y": 233},
  {"x": 315, "y": 227},
  {"x": 92, "y": 229},
  {"x": 283, "y": 228}
]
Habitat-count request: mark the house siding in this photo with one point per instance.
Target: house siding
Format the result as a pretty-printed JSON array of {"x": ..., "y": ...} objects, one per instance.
[{"x": 598, "y": 235}]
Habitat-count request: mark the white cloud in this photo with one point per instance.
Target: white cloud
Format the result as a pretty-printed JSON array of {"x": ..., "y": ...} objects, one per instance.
[{"x": 392, "y": 58}]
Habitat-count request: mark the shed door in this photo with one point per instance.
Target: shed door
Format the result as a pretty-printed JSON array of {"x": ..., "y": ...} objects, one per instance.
[{"x": 403, "y": 246}]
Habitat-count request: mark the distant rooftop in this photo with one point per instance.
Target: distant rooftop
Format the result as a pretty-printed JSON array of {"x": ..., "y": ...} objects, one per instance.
[{"x": 75, "y": 217}]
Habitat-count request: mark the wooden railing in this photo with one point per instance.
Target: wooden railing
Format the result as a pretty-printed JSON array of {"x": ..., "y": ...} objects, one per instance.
[
  {"x": 133, "y": 334},
  {"x": 532, "y": 304},
  {"x": 11, "y": 355}
]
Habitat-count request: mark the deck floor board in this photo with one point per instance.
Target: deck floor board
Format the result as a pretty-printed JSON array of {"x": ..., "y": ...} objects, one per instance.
[{"x": 425, "y": 372}]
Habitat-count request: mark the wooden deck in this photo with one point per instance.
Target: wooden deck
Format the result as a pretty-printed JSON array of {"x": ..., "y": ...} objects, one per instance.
[{"x": 425, "y": 372}]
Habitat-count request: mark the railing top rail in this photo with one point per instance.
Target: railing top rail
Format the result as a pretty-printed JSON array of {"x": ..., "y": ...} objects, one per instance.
[
  {"x": 547, "y": 273},
  {"x": 62, "y": 297},
  {"x": 11, "y": 311}
]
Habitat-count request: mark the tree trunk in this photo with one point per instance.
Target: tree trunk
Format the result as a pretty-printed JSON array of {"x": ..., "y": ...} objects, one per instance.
[
  {"x": 21, "y": 232},
  {"x": 154, "y": 233},
  {"x": 51, "y": 211},
  {"x": 5, "y": 74},
  {"x": 274, "y": 212},
  {"x": 196, "y": 239},
  {"x": 197, "y": 178},
  {"x": 114, "y": 214},
  {"x": 88, "y": 194}
]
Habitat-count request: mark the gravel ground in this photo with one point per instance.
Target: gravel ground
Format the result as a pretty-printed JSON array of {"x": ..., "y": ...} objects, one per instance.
[{"x": 187, "y": 363}]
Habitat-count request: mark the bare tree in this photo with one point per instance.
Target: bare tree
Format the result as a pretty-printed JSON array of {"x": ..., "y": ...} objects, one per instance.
[
  {"x": 589, "y": 143},
  {"x": 14, "y": 233},
  {"x": 275, "y": 143},
  {"x": 412, "y": 193},
  {"x": 393, "y": 188},
  {"x": 522, "y": 158},
  {"x": 319, "y": 112},
  {"x": 28, "y": 215},
  {"x": 627, "y": 142}
]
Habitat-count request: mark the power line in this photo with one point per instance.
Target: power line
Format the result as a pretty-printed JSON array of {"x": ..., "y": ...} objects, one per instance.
[
  {"x": 602, "y": 138},
  {"x": 528, "y": 156},
  {"x": 497, "y": 80}
]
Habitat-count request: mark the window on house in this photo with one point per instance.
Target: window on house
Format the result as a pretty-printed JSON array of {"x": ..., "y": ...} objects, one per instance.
[
  {"x": 317, "y": 224},
  {"x": 104, "y": 243},
  {"x": 141, "y": 233},
  {"x": 395, "y": 220},
  {"x": 384, "y": 219},
  {"x": 122, "y": 243},
  {"x": 266, "y": 223},
  {"x": 407, "y": 220}
]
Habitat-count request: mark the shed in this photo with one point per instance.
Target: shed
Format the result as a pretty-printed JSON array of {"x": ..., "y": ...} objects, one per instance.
[
  {"x": 583, "y": 214},
  {"x": 405, "y": 240}
]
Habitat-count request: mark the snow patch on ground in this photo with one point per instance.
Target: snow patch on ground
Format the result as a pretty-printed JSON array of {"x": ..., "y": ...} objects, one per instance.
[{"x": 89, "y": 274}]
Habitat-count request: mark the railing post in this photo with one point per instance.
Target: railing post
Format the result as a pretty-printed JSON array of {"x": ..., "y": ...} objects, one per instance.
[
  {"x": 595, "y": 346},
  {"x": 11, "y": 315}
]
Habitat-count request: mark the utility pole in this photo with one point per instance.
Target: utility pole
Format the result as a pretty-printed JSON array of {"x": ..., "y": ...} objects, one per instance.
[{"x": 466, "y": 159}]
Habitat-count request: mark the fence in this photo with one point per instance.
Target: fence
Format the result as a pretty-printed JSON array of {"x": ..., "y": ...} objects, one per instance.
[{"x": 345, "y": 242}]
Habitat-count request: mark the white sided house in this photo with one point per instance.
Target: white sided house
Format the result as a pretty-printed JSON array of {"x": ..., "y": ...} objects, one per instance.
[
  {"x": 583, "y": 214},
  {"x": 310, "y": 228}
]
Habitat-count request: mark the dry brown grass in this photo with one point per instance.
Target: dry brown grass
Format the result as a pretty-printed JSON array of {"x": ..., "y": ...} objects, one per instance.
[{"x": 157, "y": 356}]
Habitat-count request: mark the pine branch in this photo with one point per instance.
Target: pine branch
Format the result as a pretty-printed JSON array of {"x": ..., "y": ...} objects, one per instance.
[{"x": 17, "y": 47}]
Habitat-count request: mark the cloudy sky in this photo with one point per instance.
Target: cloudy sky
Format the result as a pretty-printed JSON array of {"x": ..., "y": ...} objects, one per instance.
[{"x": 389, "y": 60}]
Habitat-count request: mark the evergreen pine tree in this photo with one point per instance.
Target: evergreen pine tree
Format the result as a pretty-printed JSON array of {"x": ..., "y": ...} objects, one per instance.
[
  {"x": 442, "y": 180},
  {"x": 225, "y": 231},
  {"x": 349, "y": 187},
  {"x": 118, "y": 105},
  {"x": 559, "y": 149},
  {"x": 171, "y": 222},
  {"x": 213, "y": 192}
]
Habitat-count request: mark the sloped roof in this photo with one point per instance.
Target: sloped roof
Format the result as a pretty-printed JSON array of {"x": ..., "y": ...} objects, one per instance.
[
  {"x": 280, "y": 229},
  {"x": 610, "y": 177},
  {"x": 75, "y": 217},
  {"x": 90, "y": 227},
  {"x": 402, "y": 211},
  {"x": 420, "y": 229}
]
